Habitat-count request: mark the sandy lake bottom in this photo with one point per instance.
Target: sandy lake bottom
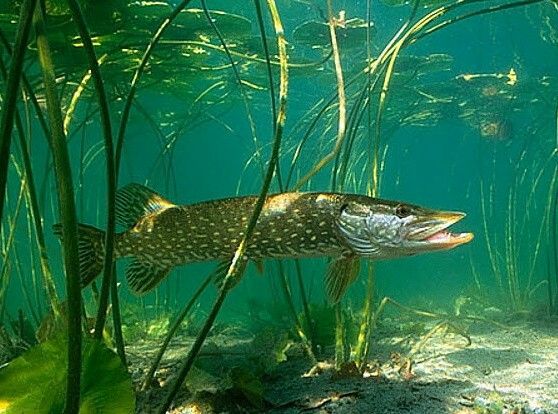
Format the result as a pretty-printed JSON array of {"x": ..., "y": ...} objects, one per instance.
[{"x": 512, "y": 369}]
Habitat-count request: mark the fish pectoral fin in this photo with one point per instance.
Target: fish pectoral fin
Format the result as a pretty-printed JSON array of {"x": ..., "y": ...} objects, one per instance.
[
  {"x": 340, "y": 274},
  {"x": 135, "y": 201},
  {"x": 144, "y": 276}
]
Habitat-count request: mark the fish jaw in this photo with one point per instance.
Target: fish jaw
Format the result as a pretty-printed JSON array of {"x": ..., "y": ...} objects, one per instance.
[
  {"x": 431, "y": 233},
  {"x": 381, "y": 229}
]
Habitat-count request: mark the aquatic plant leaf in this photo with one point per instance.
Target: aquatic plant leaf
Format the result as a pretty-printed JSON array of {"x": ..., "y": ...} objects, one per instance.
[
  {"x": 35, "y": 382},
  {"x": 422, "y": 3},
  {"x": 351, "y": 33}
]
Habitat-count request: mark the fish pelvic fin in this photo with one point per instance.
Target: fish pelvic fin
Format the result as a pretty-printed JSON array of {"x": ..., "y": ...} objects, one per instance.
[
  {"x": 144, "y": 276},
  {"x": 220, "y": 273},
  {"x": 135, "y": 201},
  {"x": 340, "y": 274},
  {"x": 91, "y": 251}
]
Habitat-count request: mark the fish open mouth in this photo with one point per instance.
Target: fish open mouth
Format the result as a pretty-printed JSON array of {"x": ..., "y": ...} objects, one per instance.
[
  {"x": 449, "y": 239},
  {"x": 433, "y": 231}
]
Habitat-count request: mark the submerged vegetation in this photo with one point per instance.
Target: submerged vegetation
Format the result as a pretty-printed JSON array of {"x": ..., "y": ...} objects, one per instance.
[{"x": 84, "y": 88}]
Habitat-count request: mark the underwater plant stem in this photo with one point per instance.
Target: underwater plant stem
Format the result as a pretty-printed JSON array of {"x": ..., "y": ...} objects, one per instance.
[
  {"x": 108, "y": 267},
  {"x": 553, "y": 244},
  {"x": 554, "y": 227},
  {"x": 8, "y": 245},
  {"x": 35, "y": 210},
  {"x": 238, "y": 262},
  {"x": 550, "y": 220},
  {"x": 136, "y": 77},
  {"x": 68, "y": 216},
  {"x": 28, "y": 88},
  {"x": 309, "y": 323},
  {"x": 117, "y": 320},
  {"x": 200, "y": 339},
  {"x": 284, "y": 282},
  {"x": 176, "y": 324},
  {"x": 244, "y": 56},
  {"x": 486, "y": 10},
  {"x": 263, "y": 36},
  {"x": 240, "y": 83},
  {"x": 310, "y": 326},
  {"x": 9, "y": 98},
  {"x": 392, "y": 50},
  {"x": 490, "y": 245},
  {"x": 362, "y": 346},
  {"x": 78, "y": 93},
  {"x": 341, "y": 356},
  {"x": 341, "y": 126}
]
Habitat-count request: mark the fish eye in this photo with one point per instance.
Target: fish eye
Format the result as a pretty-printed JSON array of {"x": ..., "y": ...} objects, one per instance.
[
  {"x": 403, "y": 211},
  {"x": 343, "y": 208}
]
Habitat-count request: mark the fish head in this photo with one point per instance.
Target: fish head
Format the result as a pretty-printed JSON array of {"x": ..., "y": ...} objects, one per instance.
[{"x": 385, "y": 229}]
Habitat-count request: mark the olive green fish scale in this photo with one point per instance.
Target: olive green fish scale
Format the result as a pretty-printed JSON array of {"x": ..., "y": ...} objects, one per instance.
[{"x": 290, "y": 225}]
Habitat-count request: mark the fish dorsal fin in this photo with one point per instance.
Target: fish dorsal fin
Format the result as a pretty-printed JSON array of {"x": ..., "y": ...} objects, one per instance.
[
  {"x": 135, "y": 201},
  {"x": 144, "y": 276},
  {"x": 340, "y": 274}
]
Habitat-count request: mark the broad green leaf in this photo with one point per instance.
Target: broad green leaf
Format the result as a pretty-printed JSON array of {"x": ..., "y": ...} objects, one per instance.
[{"x": 35, "y": 382}]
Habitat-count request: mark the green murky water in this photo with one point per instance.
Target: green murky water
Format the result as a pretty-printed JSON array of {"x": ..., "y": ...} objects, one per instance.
[{"x": 451, "y": 106}]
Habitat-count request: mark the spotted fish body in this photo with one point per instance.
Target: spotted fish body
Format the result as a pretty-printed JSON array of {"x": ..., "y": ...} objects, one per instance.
[
  {"x": 161, "y": 235},
  {"x": 293, "y": 225}
]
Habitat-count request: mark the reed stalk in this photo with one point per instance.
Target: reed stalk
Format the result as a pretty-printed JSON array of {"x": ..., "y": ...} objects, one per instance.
[
  {"x": 33, "y": 202},
  {"x": 28, "y": 88},
  {"x": 170, "y": 334},
  {"x": 553, "y": 231},
  {"x": 240, "y": 83},
  {"x": 272, "y": 100},
  {"x": 117, "y": 320},
  {"x": 68, "y": 217},
  {"x": 8, "y": 245},
  {"x": 108, "y": 264},
  {"x": 9, "y": 99},
  {"x": 364, "y": 337},
  {"x": 238, "y": 262},
  {"x": 306, "y": 337},
  {"x": 299, "y": 329},
  {"x": 553, "y": 247},
  {"x": 310, "y": 326},
  {"x": 342, "y": 102},
  {"x": 136, "y": 78}
]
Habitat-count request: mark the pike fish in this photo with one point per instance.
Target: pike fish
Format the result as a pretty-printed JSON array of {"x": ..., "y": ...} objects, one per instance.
[{"x": 161, "y": 235}]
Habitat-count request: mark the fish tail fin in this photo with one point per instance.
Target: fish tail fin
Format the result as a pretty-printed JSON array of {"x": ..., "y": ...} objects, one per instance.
[{"x": 91, "y": 251}]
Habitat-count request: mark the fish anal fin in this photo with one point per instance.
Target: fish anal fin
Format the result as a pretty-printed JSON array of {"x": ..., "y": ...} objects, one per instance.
[
  {"x": 341, "y": 273},
  {"x": 135, "y": 201},
  {"x": 144, "y": 276}
]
